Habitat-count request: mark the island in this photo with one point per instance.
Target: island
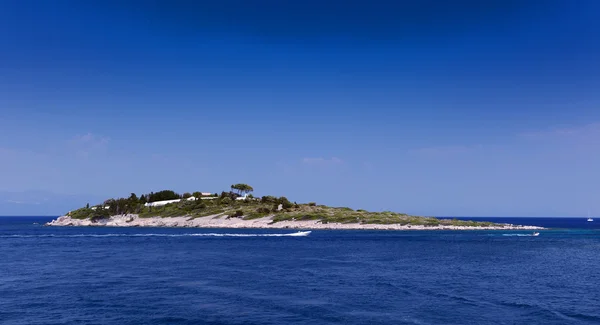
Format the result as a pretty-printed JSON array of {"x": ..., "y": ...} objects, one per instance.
[{"x": 238, "y": 208}]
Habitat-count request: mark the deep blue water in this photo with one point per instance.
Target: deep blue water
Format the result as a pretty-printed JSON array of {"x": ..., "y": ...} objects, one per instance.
[
  {"x": 174, "y": 276},
  {"x": 556, "y": 223}
]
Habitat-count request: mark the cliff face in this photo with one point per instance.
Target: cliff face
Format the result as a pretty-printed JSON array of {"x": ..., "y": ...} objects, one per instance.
[{"x": 222, "y": 221}]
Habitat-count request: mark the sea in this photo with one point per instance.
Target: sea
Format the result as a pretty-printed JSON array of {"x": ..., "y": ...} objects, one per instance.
[{"x": 88, "y": 275}]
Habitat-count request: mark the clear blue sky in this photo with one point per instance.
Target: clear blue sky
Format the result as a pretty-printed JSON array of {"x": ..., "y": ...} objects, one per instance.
[{"x": 425, "y": 107}]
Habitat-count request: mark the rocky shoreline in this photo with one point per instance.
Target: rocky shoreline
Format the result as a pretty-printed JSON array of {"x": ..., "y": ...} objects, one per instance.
[{"x": 222, "y": 221}]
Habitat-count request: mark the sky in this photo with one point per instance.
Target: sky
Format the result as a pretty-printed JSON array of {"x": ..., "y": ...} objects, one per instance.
[{"x": 438, "y": 108}]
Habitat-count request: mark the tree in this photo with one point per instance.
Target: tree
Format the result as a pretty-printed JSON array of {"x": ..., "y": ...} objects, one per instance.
[
  {"x": 197, "y": 195},
  {"x": 163, "y": 196},
  {"x": 143, "y": 199},
  {"x": 87, "y": 206},
  {"x": 186, "y": 195},
  {"x": 133, "y": 199},
  {"x": 242, "y": 189},
  {"x": 123, "y": 205},
  {"x": 112, "y": 206},
  {"x": 229, "y": 195}
]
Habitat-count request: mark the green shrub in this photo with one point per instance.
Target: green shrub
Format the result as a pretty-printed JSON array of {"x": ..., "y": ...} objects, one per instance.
[
  {"x": 268, "y": 199},
  {"x": 82, "y": 213},
  {"x": 263, "y": 210},
  {"x": 286, "y": 204},
  {"x": 163, "y": 195}
]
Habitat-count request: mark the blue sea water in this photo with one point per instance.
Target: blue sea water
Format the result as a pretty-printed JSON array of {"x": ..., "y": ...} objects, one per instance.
[{"x": 52, "y": 275}]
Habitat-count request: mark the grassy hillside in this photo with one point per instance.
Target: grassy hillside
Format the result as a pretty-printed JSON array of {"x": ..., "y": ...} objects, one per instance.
[{"x": 279, "y": 208}]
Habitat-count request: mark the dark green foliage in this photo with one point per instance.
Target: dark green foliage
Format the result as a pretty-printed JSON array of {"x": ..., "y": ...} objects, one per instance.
[
  {"x": 124, "y": 206},
  {"x": 237, "y": 214},
  {"x": 186, "y": 195},
  {"x": 263, "y": 210},
  {"x": 312, "y": 204},
  {"x": 121, "y": 205},
  {"x": 177, "y": 209},
  {"x": 268, "y": 199},
  {"x": 230, "y": 195},
  {"x": 101, "y": 212},
  {"x": 241, "y": 189},
  {"x": 133, "y": 199},
  {"x": 189, "y": 206},
  {"x": 85, "y": 213},
  {"x": 82, "y": 213},
  {"x": 112, "y": 206},
  {"x": 163, "y": 196},
  {"x": 286, "y": 204},
  {"x": 260, "y": 212}
]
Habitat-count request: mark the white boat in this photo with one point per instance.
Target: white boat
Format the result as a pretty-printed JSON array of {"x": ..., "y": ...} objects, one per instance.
[
  {"x": 300, "y": 234},
  {"x": 535, "y": 234},
  {"x": 590, "y": 219}
]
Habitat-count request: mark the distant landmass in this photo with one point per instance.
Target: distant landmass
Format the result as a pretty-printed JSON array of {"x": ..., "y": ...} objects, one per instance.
[
  {"x": 40, "y": 203},
  {"x": 238, "y": 208}
]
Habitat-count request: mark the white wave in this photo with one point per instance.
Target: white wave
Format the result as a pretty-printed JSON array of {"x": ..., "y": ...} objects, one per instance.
[
  {"x": 518, "y": 235},
  {"x": 296, "y": 234}
]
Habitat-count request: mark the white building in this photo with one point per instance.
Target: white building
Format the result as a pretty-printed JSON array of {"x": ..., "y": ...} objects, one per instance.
[
  {"x": 160, "y": 203},
  {"x": 165, "y": 202},
  {"x": 245, "y": 197},
  {"x": 104, "y": 207}
]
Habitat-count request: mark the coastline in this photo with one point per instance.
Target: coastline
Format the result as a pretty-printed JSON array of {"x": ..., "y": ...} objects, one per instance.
[{"x": 222, "y": 221}]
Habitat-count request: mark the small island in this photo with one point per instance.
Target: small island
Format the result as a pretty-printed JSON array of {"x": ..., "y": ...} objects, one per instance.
[{"x": 238, "y": 208}]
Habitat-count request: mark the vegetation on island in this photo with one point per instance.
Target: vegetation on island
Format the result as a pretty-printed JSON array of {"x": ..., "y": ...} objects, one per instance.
[{"x": 240, "y": 203}]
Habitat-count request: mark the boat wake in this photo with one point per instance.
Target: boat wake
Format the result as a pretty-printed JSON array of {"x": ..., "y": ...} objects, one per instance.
[
  {"x": 295, "y": 234},
  {"x": 519, "y": 235}
]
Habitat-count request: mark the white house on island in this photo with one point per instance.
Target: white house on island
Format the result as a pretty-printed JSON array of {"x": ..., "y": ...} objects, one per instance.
[
  {"x": 101, "y": 207},
  {"x": 205, "y": 196},
  {"x": 165, "y": 202}
]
